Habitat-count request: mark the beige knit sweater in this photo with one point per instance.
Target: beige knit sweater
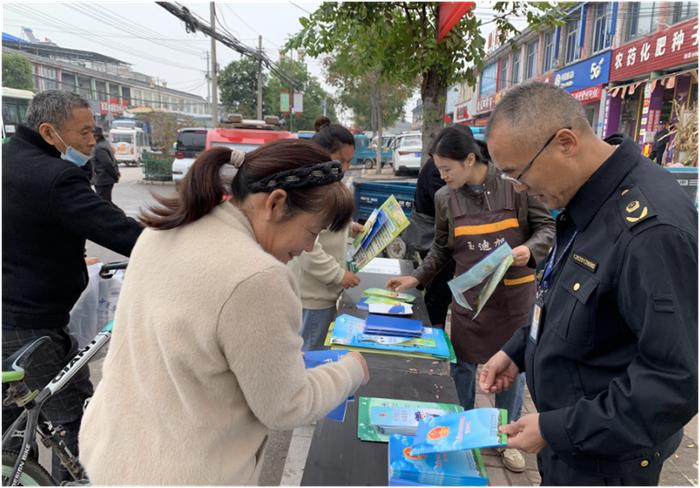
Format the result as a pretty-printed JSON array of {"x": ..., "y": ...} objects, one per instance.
[
  {"x": 320, "y": 272},
  {"x": 205, "y": 359}
]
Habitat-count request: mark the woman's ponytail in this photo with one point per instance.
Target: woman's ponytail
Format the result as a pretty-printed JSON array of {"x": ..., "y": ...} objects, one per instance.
[{"x": 201, "y": 190}]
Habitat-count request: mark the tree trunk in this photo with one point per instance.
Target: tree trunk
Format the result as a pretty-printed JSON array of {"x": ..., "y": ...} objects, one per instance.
[{"x": 433, "y": 93}]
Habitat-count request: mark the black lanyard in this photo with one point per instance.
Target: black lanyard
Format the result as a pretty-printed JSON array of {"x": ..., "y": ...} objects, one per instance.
[{"x": 552, "y": 264}]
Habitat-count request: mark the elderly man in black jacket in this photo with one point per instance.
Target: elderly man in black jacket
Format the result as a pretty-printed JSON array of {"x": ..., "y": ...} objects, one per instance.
[
  {"x": 48, "y": 212},
  {"x": 104, "y": 166}
]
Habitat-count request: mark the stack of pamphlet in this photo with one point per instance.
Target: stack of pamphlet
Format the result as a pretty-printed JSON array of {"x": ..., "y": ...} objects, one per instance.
[
  {"x": 348, "y": 332},
  {"x": 445, "y": 449},
  {"x": 392, "y": 326},
  {"x": 378, "y": 300},
  {"x": 392, "y": 295},
  {"x": 381, "y": 228},
  {"x": 458, "y": 468},
  {"x": 317, "y": 358},
  {"x": 377, "y": 417}
]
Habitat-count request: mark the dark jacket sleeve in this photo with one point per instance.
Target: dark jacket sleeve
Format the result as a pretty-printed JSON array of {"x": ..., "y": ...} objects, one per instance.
[
  {"x": 542, "y": 228},
  {"x": 78, "y": 208},
  {"x": 515, "y": 347},
  {"x": 441, "y": 250},
  {"x": 658, "y": 394},
  {"x": 105, "y": 160}
]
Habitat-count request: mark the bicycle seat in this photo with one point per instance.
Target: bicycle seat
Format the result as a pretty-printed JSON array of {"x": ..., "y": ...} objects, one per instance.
[{"x": 13, "y": 366}]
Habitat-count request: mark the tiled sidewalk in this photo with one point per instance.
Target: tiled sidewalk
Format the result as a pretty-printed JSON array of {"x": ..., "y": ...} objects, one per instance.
[{"x": 681, "y": 469}]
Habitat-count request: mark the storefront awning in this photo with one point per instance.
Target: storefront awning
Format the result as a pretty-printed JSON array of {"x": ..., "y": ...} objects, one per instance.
[{"x": 667, "y": 80}]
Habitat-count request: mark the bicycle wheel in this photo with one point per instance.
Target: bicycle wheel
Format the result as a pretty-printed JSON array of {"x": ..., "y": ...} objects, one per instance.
[{"x": 33, "y": 474}]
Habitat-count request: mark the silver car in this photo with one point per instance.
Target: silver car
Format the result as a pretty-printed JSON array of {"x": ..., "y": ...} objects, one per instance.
[{"x": 407, "y": 152}]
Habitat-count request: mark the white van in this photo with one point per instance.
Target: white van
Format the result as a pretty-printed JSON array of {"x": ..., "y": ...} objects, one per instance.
[{"x": 128, "y": 145}]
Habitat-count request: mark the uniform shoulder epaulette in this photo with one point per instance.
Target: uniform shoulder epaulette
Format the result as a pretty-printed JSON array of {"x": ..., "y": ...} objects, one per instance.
[{"x": 634, "y": 206}]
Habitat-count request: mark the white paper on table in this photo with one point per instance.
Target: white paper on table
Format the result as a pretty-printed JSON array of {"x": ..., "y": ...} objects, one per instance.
[{"x": 383, "y": 266}]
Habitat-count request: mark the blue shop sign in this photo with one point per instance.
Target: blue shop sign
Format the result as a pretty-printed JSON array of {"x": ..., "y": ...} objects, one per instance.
[{"x": 593, "y": 71}]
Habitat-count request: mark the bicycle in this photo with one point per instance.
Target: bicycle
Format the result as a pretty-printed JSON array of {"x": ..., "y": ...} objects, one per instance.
[{"x": 17, "y": 468}]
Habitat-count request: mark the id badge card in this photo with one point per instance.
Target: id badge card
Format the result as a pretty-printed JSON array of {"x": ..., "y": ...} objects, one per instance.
[{"x": 537, "y": 316}]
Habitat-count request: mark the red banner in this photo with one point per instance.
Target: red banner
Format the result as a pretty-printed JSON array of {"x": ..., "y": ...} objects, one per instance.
[
  {"x": 450, "y": 13},
  {"x": 587, "y": 95},
  {"x": 668, "y": 48},
  {"x": 113, "y": 106}
]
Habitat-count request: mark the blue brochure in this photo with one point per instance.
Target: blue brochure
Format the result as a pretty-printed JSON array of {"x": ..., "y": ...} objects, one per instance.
[
  {"x": 458, "y": 431},
  {"x": 349, "y": 331},
  {"x": 381, "y": 220},
  {"x": 458, "y": 468},
  {"x": 316, "y": 358},
  {"x": 383, "y": 325}
]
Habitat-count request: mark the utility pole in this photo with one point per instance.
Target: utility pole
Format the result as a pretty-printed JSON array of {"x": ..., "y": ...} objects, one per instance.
[
  {"x": 260, "y": 89},
  {"x": 214, "y": 87},
  {"x": 208, "y": 78}
]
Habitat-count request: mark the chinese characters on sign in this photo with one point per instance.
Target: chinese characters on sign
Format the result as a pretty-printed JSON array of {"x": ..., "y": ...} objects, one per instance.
[{"x": 664, "y": 49}]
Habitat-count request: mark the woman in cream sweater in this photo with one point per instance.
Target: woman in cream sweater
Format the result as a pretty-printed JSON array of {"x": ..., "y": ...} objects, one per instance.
[
  {"x": 323, "y": 273},
  {"x": 206, "y": 353}
]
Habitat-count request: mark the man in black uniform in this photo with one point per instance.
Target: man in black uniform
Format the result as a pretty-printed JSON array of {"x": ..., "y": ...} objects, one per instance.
[
  {"x": 610, "y": 350},
  {"x": 48, "y": 211}
]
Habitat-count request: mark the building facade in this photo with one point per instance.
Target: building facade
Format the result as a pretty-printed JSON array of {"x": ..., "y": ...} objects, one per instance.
[
  {"x": 108, "y": 83},
  {"x": 627, "y": 62}
]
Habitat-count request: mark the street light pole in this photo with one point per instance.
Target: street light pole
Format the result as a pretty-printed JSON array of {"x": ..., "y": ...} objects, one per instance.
[
  {"x": 214, "y": 87},
  {"x": 260, "y": 88}
]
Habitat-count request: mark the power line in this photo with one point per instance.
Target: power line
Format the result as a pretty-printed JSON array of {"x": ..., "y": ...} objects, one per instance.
[
  {"x": 104, "y": 18},
  {"x": 192, "y": 24},
  {"x": 113, "y": 44}
]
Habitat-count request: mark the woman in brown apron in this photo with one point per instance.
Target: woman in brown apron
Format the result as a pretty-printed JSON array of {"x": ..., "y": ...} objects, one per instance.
[{"x": 475, "y": 212}]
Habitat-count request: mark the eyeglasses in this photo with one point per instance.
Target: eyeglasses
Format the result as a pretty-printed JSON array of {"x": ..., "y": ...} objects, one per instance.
[{"x": 516, "y": 180}]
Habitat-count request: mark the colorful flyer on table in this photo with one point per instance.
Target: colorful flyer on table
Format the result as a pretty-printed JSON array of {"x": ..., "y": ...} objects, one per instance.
[
  {"x": 393, "y": 295},
  {"x": 367, "y": 432},
  {"x": 457, "y": 468},
  {"x": 470, "y": 429}
]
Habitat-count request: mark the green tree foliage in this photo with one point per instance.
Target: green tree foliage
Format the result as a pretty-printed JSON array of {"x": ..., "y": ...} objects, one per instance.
[
  {"x": 238, "y": 84},
  {"x": 314, "y": 96},
  {"x": 17, "y": 72},
  {"x": 398, "y": 40},
  {"x": 355, "y": 93}
]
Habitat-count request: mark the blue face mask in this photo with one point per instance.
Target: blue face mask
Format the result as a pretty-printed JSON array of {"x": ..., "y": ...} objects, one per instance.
[{"x": 73, "y": 155}]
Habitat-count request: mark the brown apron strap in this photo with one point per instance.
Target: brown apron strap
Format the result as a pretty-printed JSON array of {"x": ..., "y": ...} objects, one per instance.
[
  {"x": 455, "y": 206},
  {"x": 509, "y": 197}
]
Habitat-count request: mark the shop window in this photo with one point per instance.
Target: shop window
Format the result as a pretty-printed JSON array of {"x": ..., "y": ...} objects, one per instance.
[
  {"x": 68, "y": 82},
  {"x": 487, "y": 84},
  {"x": 601, "y": 27},
  {"x": 85, "y": 87},
  {"x": 503, "y": 74},
  {"x": 102, "y": 94},
  {"x": 642, "y": 18},
  {"x": 684, "y": 10},
  {"x": 572, "y": 51},
  {"x": 516, "y": 67},
  {"x": 548, "y": 52},
  {"x": 531, "y": 70}
]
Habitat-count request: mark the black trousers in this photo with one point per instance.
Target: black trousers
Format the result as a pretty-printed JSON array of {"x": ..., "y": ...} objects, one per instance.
[
  {"x": 104, "y": 191},
  {"x": 64, "y": 409},
  {"x": 555, "y": 472},
  {"x": 438, "y": 295}
]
